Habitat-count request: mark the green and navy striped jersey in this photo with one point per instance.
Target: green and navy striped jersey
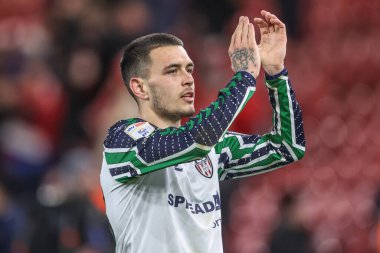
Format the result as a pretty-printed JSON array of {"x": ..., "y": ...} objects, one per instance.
[
  {"x": 161, "y": 186},
  {"x": 128, "y": 157}
]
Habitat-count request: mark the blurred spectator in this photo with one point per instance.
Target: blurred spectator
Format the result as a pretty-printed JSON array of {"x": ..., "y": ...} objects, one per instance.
[
  {"x": 42, "y": 99},
  {"x": 290, "y": 235},
  {"x": 25, "y": 151},
  {"x": 83, "y": 83},
  {"x": 6, "y": 222},
  {"x": 127, "y": 20},
  {"x": 65, "y": 218}
]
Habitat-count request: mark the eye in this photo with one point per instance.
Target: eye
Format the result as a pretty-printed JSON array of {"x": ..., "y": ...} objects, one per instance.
[
  {"x": 190, "y": 70},
  {"x": 172, "y": 71}
]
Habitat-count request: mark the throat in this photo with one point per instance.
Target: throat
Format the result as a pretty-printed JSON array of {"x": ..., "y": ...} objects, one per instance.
[{"x": 161, "y": 120}]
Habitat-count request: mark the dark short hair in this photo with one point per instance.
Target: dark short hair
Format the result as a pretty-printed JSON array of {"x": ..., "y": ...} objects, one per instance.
[{"x": 135, "y": 61}]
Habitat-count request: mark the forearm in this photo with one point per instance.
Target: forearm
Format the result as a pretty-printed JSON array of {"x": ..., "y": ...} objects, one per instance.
[
  {"x": 245, "y": 155},
  {"x": 212, "y": 122},
  {"x": 273, "y": 69},
  {"x": 287, "y": 114},
  {"x": 194, "y": 140}
]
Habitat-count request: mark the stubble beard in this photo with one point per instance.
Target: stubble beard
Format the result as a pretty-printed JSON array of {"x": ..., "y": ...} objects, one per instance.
[{"x": 160, "y": 108}]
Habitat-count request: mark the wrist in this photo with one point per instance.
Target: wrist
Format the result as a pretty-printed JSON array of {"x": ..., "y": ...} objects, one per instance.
[
  {"x": 273, "y": 77},
  {"x": 254, "y": 73},
  {"x": 273, "y": 69}
]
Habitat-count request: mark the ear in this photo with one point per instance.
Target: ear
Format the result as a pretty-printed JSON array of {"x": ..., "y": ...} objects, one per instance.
[{"x": 139, "y": 88}]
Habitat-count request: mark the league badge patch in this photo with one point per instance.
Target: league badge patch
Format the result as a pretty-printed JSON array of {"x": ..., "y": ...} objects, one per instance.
[
  {"x": 204, "y": 166},
  {"x": 139, "y": 130}
]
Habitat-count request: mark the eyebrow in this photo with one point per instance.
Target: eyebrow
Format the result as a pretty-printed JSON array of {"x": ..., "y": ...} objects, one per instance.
[{"x": 177, "y": 65}]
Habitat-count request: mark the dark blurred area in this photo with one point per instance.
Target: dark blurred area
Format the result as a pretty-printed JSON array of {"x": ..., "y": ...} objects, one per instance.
[{"x": 60, "y": 90}]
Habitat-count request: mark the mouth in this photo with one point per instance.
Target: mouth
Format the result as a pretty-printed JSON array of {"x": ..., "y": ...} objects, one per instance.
[{"x": 188, "y": 96}]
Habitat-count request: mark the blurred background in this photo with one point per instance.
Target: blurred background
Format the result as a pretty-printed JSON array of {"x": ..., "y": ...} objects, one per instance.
[{"x": 60, "y": 90}]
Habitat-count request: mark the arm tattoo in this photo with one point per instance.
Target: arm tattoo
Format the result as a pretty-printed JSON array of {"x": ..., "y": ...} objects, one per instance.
[{"x": 241, "y": 57}]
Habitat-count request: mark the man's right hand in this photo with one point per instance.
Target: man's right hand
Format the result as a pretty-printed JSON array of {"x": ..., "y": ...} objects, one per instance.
[{"x": 243, "y": 50}]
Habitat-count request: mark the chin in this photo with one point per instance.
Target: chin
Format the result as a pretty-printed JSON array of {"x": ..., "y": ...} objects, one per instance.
[
  {"x": 191, "y": 111},
  {"x": 187, "y": 113}
]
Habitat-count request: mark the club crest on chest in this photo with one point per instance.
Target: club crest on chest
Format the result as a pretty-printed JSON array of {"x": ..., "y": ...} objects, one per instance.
[{"x": 204, "y": 166}]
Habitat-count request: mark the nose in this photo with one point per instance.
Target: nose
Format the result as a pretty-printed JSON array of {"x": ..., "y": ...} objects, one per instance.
[{"x": 188, "y": 79}]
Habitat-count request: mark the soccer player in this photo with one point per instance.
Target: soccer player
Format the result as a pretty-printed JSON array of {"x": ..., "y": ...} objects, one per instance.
[{"x": 160, "y": 179}]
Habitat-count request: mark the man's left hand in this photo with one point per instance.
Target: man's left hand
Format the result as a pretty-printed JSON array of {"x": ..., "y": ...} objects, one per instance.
[{"x": 273, "y": 42}]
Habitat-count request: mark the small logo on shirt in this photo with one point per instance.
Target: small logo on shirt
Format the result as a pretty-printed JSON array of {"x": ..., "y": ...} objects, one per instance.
[
  {"x": 139, "y": 130},
  {"x": 204, "y": 166}
]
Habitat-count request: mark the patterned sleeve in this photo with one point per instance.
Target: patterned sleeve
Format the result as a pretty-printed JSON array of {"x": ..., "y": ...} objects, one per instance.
[
  {"x": 135, "y": 148},
  {"x": 244, "y": 155}
]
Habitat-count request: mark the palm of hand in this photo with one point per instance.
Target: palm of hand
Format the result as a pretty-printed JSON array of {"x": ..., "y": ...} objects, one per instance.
[{"x": 272, "y": 47}]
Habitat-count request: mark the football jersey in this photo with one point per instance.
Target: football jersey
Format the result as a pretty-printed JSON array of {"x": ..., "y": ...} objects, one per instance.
[{"x": 161, "y": 186}]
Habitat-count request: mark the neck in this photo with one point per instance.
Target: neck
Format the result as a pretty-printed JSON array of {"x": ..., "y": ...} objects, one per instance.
[{"x": 157, "y": 120}]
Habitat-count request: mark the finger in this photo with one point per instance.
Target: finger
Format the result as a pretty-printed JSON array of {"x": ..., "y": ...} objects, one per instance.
[
  {"x": 232, "y": 43},
  {"x": 269, "y": 14},
  {"x": 244, "y": 33},
  {"x": 271, "y": 28},
  {"x": 275, "y": 21},
  {"x": 239, "y": 31},
  {"x": 266, "y": 15},
  {"x": 263, "y": 26},
  {"x": 270, "y": 18},
  {"x": 233, "y": 38},
  {"x": 251, "y": 34},
  {"x": 263, "y": 12}
]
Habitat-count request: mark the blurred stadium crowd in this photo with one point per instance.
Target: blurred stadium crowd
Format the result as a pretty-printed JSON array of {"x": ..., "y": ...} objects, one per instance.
[{"x": 60, "y": 90}]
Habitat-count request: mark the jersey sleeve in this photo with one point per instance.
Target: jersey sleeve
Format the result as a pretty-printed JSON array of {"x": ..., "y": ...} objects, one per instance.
[
  {"x": 128, "y": 156},
  {"x": 244, "y": 155}
]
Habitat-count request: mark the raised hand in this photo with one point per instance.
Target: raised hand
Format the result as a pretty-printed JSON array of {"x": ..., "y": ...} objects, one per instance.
[
  {"x": 243, "y": 50},
  {"x": 272, "y": 43}
]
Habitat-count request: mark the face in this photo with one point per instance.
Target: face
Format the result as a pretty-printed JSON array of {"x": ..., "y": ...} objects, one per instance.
[{"x": 170, "y": 83}]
